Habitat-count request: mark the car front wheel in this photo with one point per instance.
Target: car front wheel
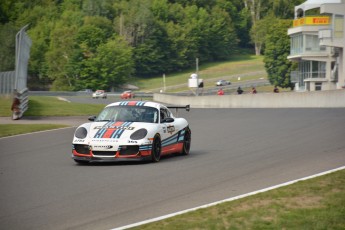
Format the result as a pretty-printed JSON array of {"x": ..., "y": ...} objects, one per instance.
[
  {"x": 187, "y": 141},
  {"x": 156, "y": 149}
]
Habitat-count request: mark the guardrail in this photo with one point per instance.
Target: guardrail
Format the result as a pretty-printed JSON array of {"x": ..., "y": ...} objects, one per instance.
[{"x": 24, "y": 100}]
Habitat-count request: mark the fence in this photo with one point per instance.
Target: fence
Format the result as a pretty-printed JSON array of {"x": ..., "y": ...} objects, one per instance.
[
  {"x": 7, "y": 80},
  {"x": 17, "y": 80}
]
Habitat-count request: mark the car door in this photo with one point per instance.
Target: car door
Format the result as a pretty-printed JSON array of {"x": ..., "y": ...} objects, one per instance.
[{"x": 169, "y": 130}]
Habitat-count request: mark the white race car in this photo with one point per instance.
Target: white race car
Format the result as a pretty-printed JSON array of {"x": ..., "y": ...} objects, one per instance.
[
  {"x": 131, "y": 131},
  {"x": 99, "y": 94}
]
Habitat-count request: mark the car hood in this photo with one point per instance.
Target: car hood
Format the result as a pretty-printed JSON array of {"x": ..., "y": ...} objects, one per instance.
[{"x": 116, "y": 130}]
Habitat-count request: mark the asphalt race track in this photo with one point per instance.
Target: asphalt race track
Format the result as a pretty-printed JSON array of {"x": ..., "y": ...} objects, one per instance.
[{"x": 234, "y": 151}]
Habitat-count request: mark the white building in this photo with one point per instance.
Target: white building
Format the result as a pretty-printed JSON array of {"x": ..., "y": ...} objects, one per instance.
[{"x": 317, "y": 45}]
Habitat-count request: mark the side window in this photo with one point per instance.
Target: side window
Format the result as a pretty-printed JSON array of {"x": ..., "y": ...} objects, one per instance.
[{"x": 164, "y": 113}]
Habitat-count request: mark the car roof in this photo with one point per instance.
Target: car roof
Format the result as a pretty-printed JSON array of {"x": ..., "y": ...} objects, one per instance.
[{"x": 137, "y": 103}]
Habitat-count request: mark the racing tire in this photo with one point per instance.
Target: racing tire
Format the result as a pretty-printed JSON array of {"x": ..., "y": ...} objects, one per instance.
[
  {"x": 186, "y": 141},
  {"x": 156, "y": 149}
]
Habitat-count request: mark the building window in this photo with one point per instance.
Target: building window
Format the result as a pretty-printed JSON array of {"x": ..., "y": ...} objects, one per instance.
[
  {"x": 318, "y": 86},
  {"x": 310, "y": 69},
  {"x": 312, "y": 43},
  {"x": 338, "y": 26},
  {"x": 318, "y": 69},
  {"x": 296, "y": 44},
  {"x": 305, "y": 43}
]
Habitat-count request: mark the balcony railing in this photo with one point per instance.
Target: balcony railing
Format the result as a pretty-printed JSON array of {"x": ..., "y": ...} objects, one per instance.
[
  {"x": 297, "y": 76},
  {"x": 325, "y": 34},
  {"x": 321, "y": 50}
]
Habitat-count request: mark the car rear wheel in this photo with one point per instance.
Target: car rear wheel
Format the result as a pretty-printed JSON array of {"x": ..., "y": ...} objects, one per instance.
[
  {"x": 156, "y": 149},
  {"x": 187, "y": 141}
]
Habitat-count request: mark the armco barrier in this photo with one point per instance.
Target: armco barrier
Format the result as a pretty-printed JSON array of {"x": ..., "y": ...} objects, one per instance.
[
  {"x": 316, "y": 99},
  {"x": 24, "y": 101}
]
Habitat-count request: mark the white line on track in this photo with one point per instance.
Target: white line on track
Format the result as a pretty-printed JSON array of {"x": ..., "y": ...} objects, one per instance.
[
  {"x": 42, "y": 131},
  {"x": 226, "y": 200}
]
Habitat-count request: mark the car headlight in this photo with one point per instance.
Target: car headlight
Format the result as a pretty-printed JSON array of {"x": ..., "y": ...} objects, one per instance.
[
  {"x": 80, "y": 133},
  {"x": 139, "y": 134}
]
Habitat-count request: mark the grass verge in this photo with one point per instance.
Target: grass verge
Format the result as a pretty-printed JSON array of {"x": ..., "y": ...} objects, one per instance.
[
  {"x": 43, "y": 106},
  {"x": 51, "y": 106},
  {"x": 15, "y": 129},
  {"x": 318, "y": 203}
]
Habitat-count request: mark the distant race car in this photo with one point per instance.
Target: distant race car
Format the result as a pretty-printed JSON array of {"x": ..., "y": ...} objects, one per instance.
[
  {"x": 223, "y": 82},
  {"x": 127, "y": 95},
  {"x": 131, "y": 131},
  {"x": 99, "y": 94}
]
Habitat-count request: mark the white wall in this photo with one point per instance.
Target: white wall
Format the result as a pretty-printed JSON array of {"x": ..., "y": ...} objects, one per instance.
[{"x": 316, "y": 99}]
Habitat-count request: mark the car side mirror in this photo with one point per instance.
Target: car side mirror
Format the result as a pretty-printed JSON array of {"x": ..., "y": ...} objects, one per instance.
[
  {"x": 168, "y": 120},
  {"x": 92, "y": 118}
]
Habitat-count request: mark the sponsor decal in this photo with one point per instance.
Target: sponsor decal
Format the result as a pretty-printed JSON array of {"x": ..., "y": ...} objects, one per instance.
[
  {"x": 133, "y": 103},
  {"x": 79, "y": 140},
  {"x": 312, "y": 20},
  {"x": 112, "y": 129},
  {"x": 171, "y": 129},
  {"x": 101, "y": 147},
  {"x": 102, "y": 140}
]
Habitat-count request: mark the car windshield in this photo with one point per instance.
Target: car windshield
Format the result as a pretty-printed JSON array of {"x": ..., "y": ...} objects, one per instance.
[{"x": 129, "y": 114}]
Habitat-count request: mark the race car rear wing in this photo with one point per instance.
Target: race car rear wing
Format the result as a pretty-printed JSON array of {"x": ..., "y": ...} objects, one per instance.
[{"x": 187, "y": 108}]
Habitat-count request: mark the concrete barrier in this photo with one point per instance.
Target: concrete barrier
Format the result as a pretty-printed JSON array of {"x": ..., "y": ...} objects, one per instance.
[{"x": 316, "y": 99}]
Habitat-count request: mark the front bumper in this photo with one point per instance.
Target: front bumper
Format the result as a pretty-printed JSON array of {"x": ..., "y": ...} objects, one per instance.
[{"x": 91, "y": 159}]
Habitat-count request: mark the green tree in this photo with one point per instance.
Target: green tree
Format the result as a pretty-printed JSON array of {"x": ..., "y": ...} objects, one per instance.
[
  {"x": 151, "y": 56},
  {"x": 71, "y": 37},
  {"x": 61, "y": 49},
  {"x": 277, "y": 66},
  {"x": 40, "y": 28},
  {"x": 176, "y": 32},
  {"x": 89, "y": 37},
  {"x": 261, "y": 10},
  {"x": 7, "y": 48},
  {"x": 259, "y": 31},
  {"x": 110, "y": 67},
  {"x": 134, "y": 20},
  {"x": 222, "y": 38},
  {"x": 196, "y": 26},
  {"x": 255, "y": 9},
  {"x": 284, "y": 9},
  {"x": 241, "y": 20}
]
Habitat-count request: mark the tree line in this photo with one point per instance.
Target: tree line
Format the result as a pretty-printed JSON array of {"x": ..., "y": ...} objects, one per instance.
[{"x": 80, "y": 44}]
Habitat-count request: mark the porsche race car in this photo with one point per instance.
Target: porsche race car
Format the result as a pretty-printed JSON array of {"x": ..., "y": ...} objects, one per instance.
[{"x": 131, "y": 131}]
